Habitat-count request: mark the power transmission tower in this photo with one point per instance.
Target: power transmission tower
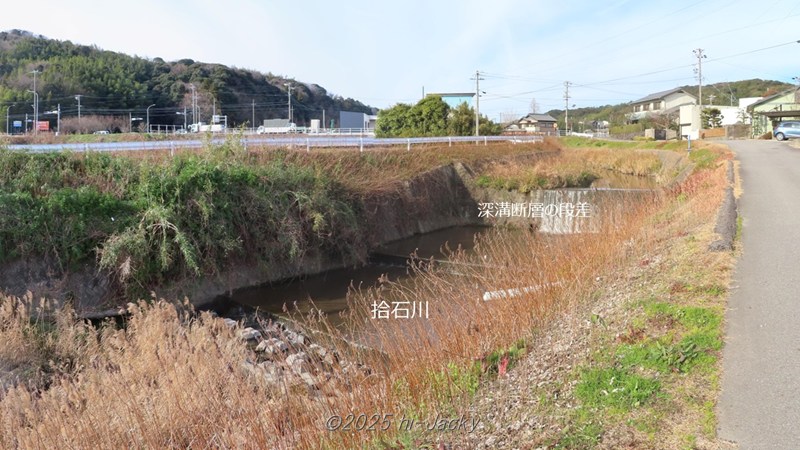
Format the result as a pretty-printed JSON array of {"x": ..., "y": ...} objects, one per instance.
[
  {"x": 566, "y": 104},
  {"x": 477, "y": 102},
  {"x": 700, "y": 55}
]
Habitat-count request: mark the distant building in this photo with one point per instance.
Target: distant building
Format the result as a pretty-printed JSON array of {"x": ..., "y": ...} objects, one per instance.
[
  {"x": 453, "y": 100},
  {"x": 665, "y": 102},
  {"x": 357, "y": 120},
  {"x": 775, "y": 108},
  {"x": 690, "y": 116},
  {"x": 537, "y": 123}
]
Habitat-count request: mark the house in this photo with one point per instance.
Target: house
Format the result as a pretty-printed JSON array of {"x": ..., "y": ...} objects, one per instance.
[
  {"x": 538, "y": 123},
  {"x": 665, "y": 102},
  {"x": 775, "y": 108}
]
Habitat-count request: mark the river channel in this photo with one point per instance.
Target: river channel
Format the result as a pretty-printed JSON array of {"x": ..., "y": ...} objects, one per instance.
[{"x": 327, "y": 291}]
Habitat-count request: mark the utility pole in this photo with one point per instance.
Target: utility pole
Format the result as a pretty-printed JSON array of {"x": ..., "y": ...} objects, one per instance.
[
  {"x": 477, "y": 102},
  {"x": 566, "y": 104},
  {"x": 35, "y": 103},
  {"x": 78, "y": 98},
  {"x": 700, "y": 55},
  {"x": 194, "y": 103},
  {"x": 253, "y": 123},
  {"x": 8, "y": 109},
  {"x": 289, "y": 94},
  {"x": 58, "y": 121}
]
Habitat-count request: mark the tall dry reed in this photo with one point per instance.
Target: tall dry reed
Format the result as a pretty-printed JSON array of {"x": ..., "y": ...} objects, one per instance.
[{"x": 174, "y": 379}]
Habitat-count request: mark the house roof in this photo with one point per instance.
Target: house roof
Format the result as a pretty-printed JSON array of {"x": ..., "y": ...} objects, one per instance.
[
  {"x": 770, "y": 98},
  {"x": 540, "y": 118},
  {"x": 660, "y": 95}
]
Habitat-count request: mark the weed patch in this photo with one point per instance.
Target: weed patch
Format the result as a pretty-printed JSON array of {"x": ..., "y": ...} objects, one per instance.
[{"x": 615, "y": 388}]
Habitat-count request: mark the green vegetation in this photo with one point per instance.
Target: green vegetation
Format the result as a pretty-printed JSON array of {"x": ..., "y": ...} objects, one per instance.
[
  {"x": 455, "y": 382},
  {"x": 617, "y": 389},
  {"x": 149, "y": 218},
  {"x": 531, "y": 180},
  {"x": 114, "y": 81},
  {"x": 582, "y": 142},
  {"x": 431, "y": 116},
  {"x": 703, "y": 158},
  {"x": 711, "y": 118},
  {"x": 691, "y": 342},
  {"x": 148, "y": 221}
]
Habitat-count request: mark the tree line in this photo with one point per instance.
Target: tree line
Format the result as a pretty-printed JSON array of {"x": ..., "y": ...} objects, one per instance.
[
  {"x": 115, "y": 83},
  {"x": 431, "y": 116}
]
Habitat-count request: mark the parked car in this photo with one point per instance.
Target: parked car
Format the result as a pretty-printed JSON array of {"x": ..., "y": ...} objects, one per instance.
[
  {"x": 101, "y": 132},
  {"x": 786, "y": 130}
]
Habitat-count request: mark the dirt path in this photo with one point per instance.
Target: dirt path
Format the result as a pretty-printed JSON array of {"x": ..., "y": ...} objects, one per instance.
[{"x": 760, "y": 403}]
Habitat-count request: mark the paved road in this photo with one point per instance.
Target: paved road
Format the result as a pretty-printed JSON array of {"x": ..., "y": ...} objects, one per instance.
[{"x": 760, "y": 403}]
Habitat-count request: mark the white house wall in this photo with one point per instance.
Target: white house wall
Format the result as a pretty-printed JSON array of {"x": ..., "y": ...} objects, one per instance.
[{"x": 677, "y": 99}]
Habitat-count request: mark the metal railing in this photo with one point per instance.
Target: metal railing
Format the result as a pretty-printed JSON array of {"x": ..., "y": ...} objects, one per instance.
[{"x": 293, "y": 141}]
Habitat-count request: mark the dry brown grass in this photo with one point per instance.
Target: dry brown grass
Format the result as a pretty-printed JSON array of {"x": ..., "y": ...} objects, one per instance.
[
  {"x": 374, "y": 169},
  {"x": 574, "y": 168},
  {"x": 170, "y": 379}
]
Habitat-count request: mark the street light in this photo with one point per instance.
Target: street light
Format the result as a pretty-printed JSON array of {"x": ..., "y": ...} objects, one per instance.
[
  {"x": 8, "y": 109},
  {"x": 148, "y": 117}
]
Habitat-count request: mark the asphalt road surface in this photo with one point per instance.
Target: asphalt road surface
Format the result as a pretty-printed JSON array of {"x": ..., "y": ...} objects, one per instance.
[{"x": 760, "y": 403}]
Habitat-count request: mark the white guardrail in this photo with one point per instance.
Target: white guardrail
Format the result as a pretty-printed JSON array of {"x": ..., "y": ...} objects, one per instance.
[{"x": 294, "y": 141}]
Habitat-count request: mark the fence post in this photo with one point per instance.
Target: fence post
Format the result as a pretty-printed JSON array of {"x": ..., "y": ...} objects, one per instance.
[
  {"x": 172, "y": 149},
  {"x": 409, "y": 145},
  {"x": 485, "y": 140},
  {"x": 308, "y": 145},
  {"x": 361, "y": 144},
  {"x": 450, "y": 141}
]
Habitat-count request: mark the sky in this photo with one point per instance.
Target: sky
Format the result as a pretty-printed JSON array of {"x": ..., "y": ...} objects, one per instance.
[{"x": 383, "y": 53}]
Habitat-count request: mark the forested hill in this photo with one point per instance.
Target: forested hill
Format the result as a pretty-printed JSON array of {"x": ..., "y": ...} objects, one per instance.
[{"x": 111, "y": 83}]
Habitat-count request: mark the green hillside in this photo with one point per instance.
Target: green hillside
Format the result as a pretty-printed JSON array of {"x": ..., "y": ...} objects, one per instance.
[
  {"x": 116, "y": 84},
  {"x": 722, "y": 92}
]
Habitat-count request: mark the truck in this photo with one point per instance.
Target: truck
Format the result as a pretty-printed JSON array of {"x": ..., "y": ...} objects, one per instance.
[
  {"x": 201, "y": 127},
  {"x": 277, "y": 126}
]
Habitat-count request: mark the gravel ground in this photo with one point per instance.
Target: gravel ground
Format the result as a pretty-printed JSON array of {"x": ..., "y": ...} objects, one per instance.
[{"x": 510, "y": 408}]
